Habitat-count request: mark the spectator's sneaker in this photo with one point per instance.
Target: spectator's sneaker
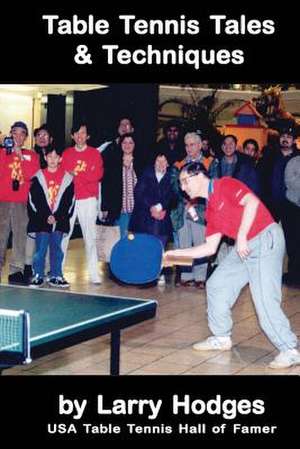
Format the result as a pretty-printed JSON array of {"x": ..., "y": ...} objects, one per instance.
[
  {"x": 177, "y": 280},
  {"x": 28, "y": 273},
  {"x": 200, "y": 285},
  {"x": 290, "y": 281},
  {"x": 286, "y": 359},
  {"x": 59, "y": 282},
  {"x": 161, "y": 280},
  {"x": 17, "y": 278},
  {"x": 36, "y": 281},
  {"x": 96, "y": 281},
  {"x": 187, "y": 283},
  {"x": 214, "y": 344}
]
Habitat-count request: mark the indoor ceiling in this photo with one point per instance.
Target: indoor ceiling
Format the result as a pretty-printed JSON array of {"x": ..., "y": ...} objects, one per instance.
[{"x": 45, "y": 89}]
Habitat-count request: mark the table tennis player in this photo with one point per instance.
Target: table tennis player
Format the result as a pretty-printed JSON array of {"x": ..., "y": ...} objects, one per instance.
[{"x": 256, "y": 258}]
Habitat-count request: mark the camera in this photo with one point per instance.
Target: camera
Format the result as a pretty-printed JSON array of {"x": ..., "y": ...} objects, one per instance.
[
  {"x": 8, "y": 144},
  {"x": 15, "y": 185}
]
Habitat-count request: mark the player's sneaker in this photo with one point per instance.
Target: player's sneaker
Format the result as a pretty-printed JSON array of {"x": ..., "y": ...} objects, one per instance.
[
  {"x": 286, "y": 359},
  {"x": 214, "y": 344}
]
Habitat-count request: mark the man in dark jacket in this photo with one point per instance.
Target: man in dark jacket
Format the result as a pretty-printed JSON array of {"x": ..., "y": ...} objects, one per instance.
[
  {"x": 172, "y": 144},
  {"x": 50, "y": 206},
  {"x": 238, "y": 165},
  {"x": 271, "y": 169}
]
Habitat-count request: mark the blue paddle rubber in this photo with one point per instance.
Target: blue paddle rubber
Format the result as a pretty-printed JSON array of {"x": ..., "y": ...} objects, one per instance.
[{"x": 136, "y": 259}]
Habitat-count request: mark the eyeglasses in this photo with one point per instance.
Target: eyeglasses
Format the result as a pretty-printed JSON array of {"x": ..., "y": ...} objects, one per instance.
[{"x": 184, "y": 181}]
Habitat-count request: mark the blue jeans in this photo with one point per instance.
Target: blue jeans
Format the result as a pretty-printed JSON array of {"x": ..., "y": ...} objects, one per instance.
[
  {"x": 123, "y": 223},
  {"x": 53, "y": 240}
]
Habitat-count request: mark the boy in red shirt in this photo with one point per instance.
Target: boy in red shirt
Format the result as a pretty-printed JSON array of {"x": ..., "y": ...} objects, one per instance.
[
  {"x": 50, "y": 206},
  {"x": 257, "y": 258},
  {"x": 85, "y": 164}
]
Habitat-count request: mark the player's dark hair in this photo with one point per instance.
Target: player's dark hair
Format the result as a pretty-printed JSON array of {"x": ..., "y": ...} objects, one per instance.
[{"x": 194, "y": 168}]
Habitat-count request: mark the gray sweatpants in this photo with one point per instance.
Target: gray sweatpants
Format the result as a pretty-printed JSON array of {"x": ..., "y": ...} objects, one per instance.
[
  {"x": 262, "y": 269},
  {"x": 13, "y": 217}
]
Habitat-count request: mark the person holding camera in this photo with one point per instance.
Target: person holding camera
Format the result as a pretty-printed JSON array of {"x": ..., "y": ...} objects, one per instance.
[{"x": 17, "y": 166}]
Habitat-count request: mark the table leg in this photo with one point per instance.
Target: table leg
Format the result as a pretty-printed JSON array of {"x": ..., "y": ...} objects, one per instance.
[{"x": 115, "y": 353}]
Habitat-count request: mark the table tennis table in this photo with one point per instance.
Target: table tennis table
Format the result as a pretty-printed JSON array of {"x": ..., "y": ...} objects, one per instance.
[{"x": 60, "y": 319}]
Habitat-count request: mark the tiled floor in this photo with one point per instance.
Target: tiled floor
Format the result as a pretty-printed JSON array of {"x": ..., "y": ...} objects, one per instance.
[{"x": 164, "y": 344}]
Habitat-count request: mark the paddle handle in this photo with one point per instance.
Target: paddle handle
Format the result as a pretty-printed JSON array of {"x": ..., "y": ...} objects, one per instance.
[{"x": 170, "y": 261}]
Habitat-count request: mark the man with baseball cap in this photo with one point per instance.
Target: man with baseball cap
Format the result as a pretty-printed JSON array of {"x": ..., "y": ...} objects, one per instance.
[{"x": 17, "y": 166}]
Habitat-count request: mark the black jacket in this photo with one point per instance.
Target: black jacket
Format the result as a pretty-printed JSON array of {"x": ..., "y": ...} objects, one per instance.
[
  {"x": 39, "y": 209},
  {"x": 172, "y": 156},
  {"x": 112, "y": 182},
  {"x": 147, "y": 193},
  {"x": 245, "y": 172},
  {"x": 271, "y": 171}
]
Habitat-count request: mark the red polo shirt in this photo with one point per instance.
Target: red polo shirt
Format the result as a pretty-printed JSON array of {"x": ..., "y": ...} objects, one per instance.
[
  {"x": 224, "y": 213},
  {"x": 87, "y": 167}
]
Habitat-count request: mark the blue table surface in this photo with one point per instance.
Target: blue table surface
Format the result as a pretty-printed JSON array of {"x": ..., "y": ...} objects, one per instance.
[{"x": 55, "y": 314}]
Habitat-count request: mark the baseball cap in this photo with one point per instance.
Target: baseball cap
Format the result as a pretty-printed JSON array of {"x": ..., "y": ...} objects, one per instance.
[{"x": 19, "y": 125}]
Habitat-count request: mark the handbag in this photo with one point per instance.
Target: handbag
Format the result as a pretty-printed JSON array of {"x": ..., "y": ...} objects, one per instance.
[{"x": 106, "y": 237}]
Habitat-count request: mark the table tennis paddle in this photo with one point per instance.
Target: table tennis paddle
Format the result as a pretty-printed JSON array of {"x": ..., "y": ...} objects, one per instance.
[{"x": 138, "y": 259}]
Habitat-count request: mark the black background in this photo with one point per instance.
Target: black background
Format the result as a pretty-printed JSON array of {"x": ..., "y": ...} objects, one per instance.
[
  {"x": 29, "y": 403},
  {"x": 29, "y": 55}
]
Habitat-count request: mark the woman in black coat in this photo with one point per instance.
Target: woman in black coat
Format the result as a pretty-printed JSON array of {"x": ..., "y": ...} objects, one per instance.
[{"x": 153, "y": 197}]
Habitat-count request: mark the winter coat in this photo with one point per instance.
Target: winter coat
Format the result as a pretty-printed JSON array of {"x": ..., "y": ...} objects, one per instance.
[{"x": 149, "y": 192}]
